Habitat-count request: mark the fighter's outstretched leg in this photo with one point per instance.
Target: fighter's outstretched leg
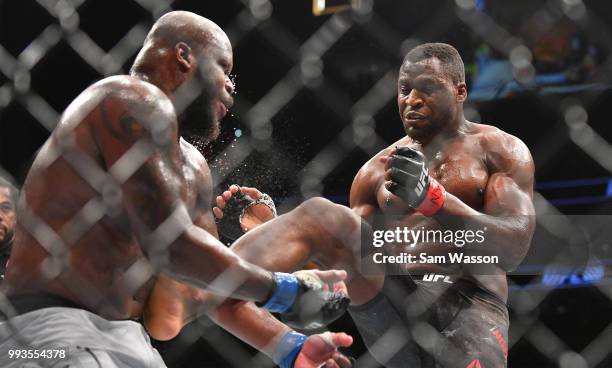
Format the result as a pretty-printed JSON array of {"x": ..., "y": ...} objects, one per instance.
[{"x": 318, "y": 230}]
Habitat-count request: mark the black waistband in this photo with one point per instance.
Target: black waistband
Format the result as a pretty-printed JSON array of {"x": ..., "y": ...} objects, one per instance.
[{"x": 24, "y": 303}]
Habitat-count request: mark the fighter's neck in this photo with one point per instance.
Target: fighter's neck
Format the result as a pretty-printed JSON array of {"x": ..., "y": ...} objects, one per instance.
[
  {"x": 167, "y": 89},
  {"x": 456, "y": 129},
  {"x": 157, "y": 80}
]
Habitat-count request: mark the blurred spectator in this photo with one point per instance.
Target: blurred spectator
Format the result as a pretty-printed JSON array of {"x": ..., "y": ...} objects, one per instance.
[{"x": 8, "y": 201}]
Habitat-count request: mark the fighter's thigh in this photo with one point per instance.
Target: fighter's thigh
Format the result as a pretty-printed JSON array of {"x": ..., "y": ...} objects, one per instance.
[{"x": 475, "y": 335}]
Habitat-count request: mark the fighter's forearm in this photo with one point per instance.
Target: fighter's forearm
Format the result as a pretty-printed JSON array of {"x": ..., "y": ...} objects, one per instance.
[
  {"x": 201, "y": 260},
  {"x": 253, "y": 325},
  {"x": 505, "y": 235}
]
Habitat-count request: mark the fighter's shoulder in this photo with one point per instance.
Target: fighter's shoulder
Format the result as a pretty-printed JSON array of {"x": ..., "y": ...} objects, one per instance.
[
  {"x": 130, "y": 107},
  {"x": 127, "y": 86},
  {"x": 193, "y": 155},
  {"x": 134, "y": 92},
  {"x": 502, "y": 148}
]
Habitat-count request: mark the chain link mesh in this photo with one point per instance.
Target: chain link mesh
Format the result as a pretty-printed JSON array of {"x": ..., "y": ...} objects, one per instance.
[{"x": 306, "y": 64}]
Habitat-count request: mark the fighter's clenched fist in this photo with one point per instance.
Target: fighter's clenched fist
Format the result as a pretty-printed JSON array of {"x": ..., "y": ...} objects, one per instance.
[{"x": 407, "y": 176}]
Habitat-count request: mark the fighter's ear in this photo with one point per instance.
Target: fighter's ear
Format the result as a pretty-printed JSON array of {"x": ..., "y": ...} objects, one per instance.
[
  {"x": 461, "y": 92},
  {"x": 184, "y": 56}
]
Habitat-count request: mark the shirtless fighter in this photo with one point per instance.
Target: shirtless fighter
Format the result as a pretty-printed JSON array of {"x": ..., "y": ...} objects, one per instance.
[
  {"x": 115, "y": 185},
  {"x": 447, "y": 173}
]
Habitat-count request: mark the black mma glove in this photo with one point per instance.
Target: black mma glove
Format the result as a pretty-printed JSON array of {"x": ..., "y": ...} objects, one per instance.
[
  {"x": 410, "y": 181},
  {"x": 229, "y": 226}
]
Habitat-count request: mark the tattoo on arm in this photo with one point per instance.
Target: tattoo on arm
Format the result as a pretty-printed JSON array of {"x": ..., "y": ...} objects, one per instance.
[{"x": 153, "y": 190}]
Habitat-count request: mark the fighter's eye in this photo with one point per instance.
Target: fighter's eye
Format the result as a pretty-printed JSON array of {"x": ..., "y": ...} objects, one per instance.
[
  {"x": 405, "y": 90},
  {"x": 427, "y": 88},
  {"x": 227, "y": 69}
]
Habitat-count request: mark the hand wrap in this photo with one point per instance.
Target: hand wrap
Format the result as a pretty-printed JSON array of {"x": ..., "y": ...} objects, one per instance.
[
  {"x": 288, "y": 349},
  {"x": 302, "y": 302}
]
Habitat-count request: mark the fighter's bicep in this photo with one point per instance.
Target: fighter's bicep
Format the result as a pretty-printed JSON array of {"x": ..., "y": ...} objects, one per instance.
[
  {"x": 504, "y": 196},
  {"x": 509, "y": 190}
]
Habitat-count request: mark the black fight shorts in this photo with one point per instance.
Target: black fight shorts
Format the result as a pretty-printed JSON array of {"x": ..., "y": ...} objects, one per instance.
[{"x": 434, "y": 324}]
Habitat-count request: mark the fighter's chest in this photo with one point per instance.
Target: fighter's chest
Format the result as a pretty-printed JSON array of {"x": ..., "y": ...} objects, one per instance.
[{"x": 463, "y": 174}]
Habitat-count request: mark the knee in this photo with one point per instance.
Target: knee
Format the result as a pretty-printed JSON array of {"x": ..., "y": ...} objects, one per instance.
[
  {"x": 336, "y": 218},
  {"x": 316, "y": 205}
]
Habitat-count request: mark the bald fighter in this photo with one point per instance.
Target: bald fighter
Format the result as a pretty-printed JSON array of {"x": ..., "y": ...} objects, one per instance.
[
  {"x": 116, "y": 196},
  {"x": 446, "y": 174}
]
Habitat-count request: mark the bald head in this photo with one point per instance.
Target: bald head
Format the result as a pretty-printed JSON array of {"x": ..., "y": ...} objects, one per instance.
[
  {"x": 190, "y": 59},
  {"x": 179, "y": 28},
  {"x": 183, "y": 26}
]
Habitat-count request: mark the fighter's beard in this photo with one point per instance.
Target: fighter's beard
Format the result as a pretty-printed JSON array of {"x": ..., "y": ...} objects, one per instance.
[
  {"x": 202, "y": 134},
  {"x": 7, "y": 242},
  {"x": 199, "y": 125}
]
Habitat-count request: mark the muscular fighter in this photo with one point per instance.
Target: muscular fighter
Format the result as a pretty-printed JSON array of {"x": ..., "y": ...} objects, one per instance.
[
  {"x": 8, "y": 199},
  {"x": 453, "y": 175},
  {"x": 116, "y": 196},
  {"x": 447, "y": 173}
]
